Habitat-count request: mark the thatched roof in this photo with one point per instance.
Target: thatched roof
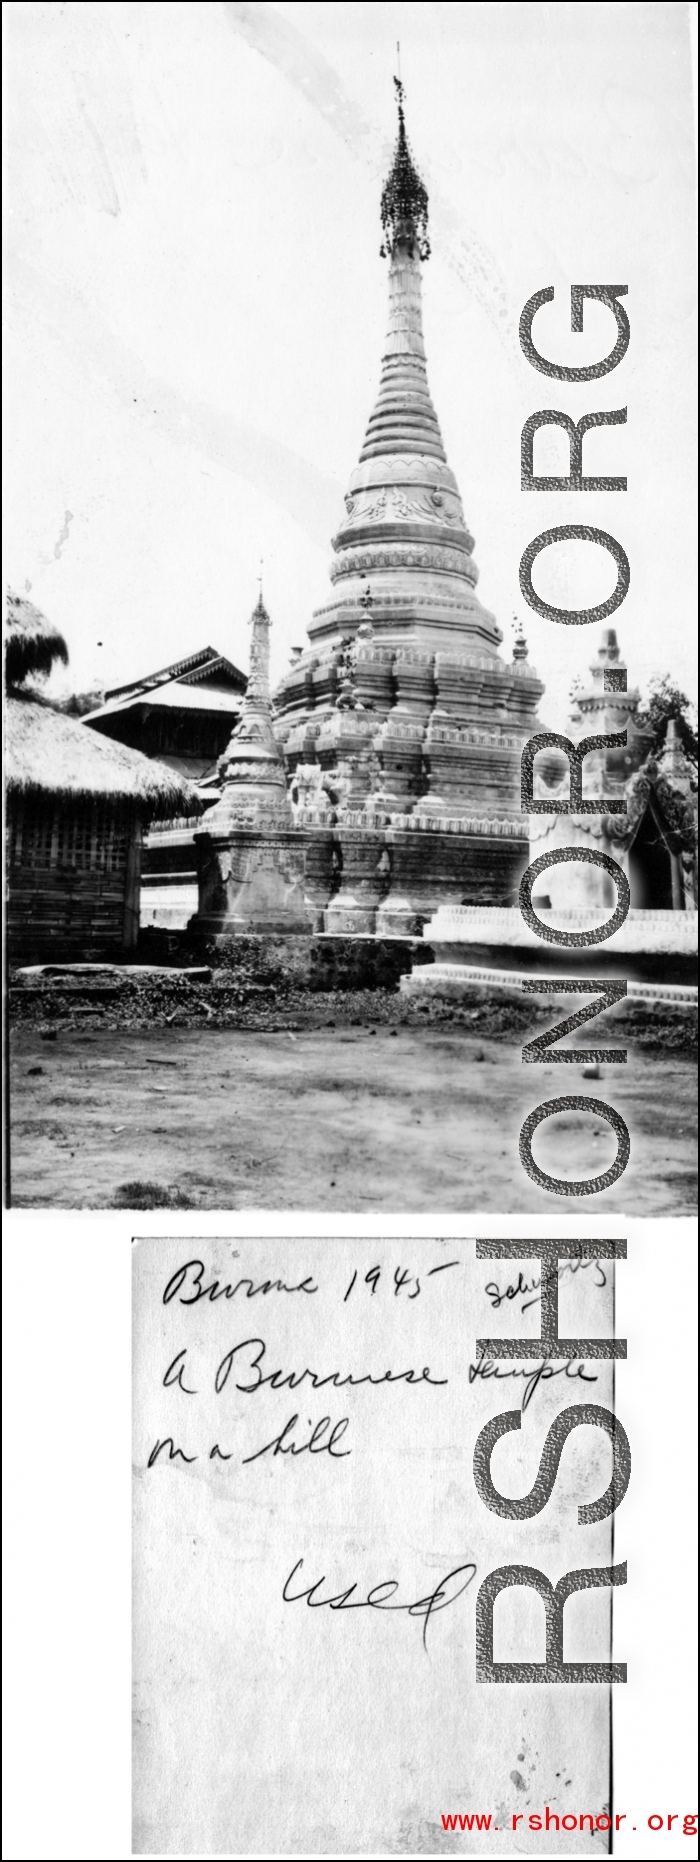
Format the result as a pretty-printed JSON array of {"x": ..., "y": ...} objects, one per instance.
[
  {"x": 32, "y": 643},
  {"x": 50, "y": 755}
]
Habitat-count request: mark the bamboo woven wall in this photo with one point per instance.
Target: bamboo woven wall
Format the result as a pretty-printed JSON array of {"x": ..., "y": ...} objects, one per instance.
[{"x": 71, "y": 877}]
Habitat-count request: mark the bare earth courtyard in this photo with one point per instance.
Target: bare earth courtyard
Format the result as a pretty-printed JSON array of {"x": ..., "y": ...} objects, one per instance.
[{"x": 338, "y": 1119}]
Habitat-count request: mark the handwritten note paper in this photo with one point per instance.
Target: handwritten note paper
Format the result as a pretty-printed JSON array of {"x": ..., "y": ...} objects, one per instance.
[{"x": 309, "y": 1543}]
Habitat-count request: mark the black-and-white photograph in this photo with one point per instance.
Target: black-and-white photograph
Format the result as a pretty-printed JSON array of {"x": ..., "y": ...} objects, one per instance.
[
  {"x": 351, "y": 903},
  {"x": 303, "y": 865}
]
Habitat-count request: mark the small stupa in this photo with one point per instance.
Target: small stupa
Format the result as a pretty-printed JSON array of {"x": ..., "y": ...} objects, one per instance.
[
  {"x": 601, "y": 705},
  {"x": 250, "y": 858}
]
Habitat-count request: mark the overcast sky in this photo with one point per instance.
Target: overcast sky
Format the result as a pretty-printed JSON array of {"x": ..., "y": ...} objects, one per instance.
[{"x": 197, "y": 305}]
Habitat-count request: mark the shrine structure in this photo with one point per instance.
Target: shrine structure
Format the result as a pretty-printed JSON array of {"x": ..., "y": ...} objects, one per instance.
[
  {"x": 250, "y": 857},
  {"x": 400, "y": 723},
  {"x": 654, "y": 840}
]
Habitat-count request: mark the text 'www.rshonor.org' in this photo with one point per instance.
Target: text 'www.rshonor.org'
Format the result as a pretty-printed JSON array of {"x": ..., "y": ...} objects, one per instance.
[
  {"x": 542, "y": 1050},
  {"x": 551, "y": 1820}
]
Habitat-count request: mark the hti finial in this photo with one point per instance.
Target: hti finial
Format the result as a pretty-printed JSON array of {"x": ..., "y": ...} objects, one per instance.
[
  {"x": 520, "y": 647},
  {"x": 260, "y": 611},
  {"x": 404, "y": 209}
]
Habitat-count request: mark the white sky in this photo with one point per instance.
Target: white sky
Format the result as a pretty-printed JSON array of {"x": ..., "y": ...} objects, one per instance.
[{"x": 196, "y": 306}]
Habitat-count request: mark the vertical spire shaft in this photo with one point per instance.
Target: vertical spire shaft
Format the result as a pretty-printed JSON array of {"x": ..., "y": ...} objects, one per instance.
[
  {"x": 257, "y": 696},
  {"x": 403, "y": 419}
]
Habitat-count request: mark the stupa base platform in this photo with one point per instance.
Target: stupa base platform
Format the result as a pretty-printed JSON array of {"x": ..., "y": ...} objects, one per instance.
[
  {"x": 250, "y": 881},
  {"x": 394, "y": 879},
  {"x": 457, "y": 981},
  {"x": 656, "y": 946}
]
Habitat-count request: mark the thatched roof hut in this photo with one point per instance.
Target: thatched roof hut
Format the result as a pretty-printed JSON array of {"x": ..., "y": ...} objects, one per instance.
[
  {"x": 77, "y": 805},
  {"x": 49, "y": 754},
  {"x": 32, "y": 643}
]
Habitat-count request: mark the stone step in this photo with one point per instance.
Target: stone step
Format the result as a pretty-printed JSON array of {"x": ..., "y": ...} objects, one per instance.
[
  {"x": 458, "y": 979},
  {"x": 74, "y": 975}
]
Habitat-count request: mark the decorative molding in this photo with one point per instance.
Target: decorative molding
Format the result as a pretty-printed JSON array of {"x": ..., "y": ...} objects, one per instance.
[
  {"x": 487, "y": 740},
  {"x": 394, "y": 502},
  {"x": 471, "y": 608},
  {"x": 461, "y": 824},
  {"x": 447, "y": 561}
]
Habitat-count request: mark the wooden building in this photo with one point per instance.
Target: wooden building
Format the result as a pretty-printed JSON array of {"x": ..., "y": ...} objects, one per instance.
[
  {"x": 184, "y": 715},
  {"x": 77, "y": 809}
]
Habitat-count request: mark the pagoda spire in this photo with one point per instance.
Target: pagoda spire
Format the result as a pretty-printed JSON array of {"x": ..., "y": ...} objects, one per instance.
[
  {"x": 672, "y": 761},
  {"x": 403, "y": 419},
  {"x": 250, "y": 861},
  {"x": 254, "y": 787},
  {"x": 404, "y": 209},
  {"x": 520, "y": 646},
  {"x": 257, "y": 697}
]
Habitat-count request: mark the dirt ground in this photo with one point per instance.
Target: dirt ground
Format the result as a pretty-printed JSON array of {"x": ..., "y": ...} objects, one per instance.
[{"x": 366, "y": 1119}]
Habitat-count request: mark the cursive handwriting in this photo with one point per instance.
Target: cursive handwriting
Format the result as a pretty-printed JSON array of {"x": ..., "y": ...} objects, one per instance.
[
  {"x": 380, "y": 1596},
  {"x": 402, "y": 1279},
  {"x": 485, "y": 1367},
  {"x": 278, "y": 1379},
  {"x": 174, "y": 1453},
  {"x": 524, "y": 1284},
  {"x": 315, "y": 1445},
  {"x": 191, "y": 1276},
  {"x": 281, "y": 1444}
]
